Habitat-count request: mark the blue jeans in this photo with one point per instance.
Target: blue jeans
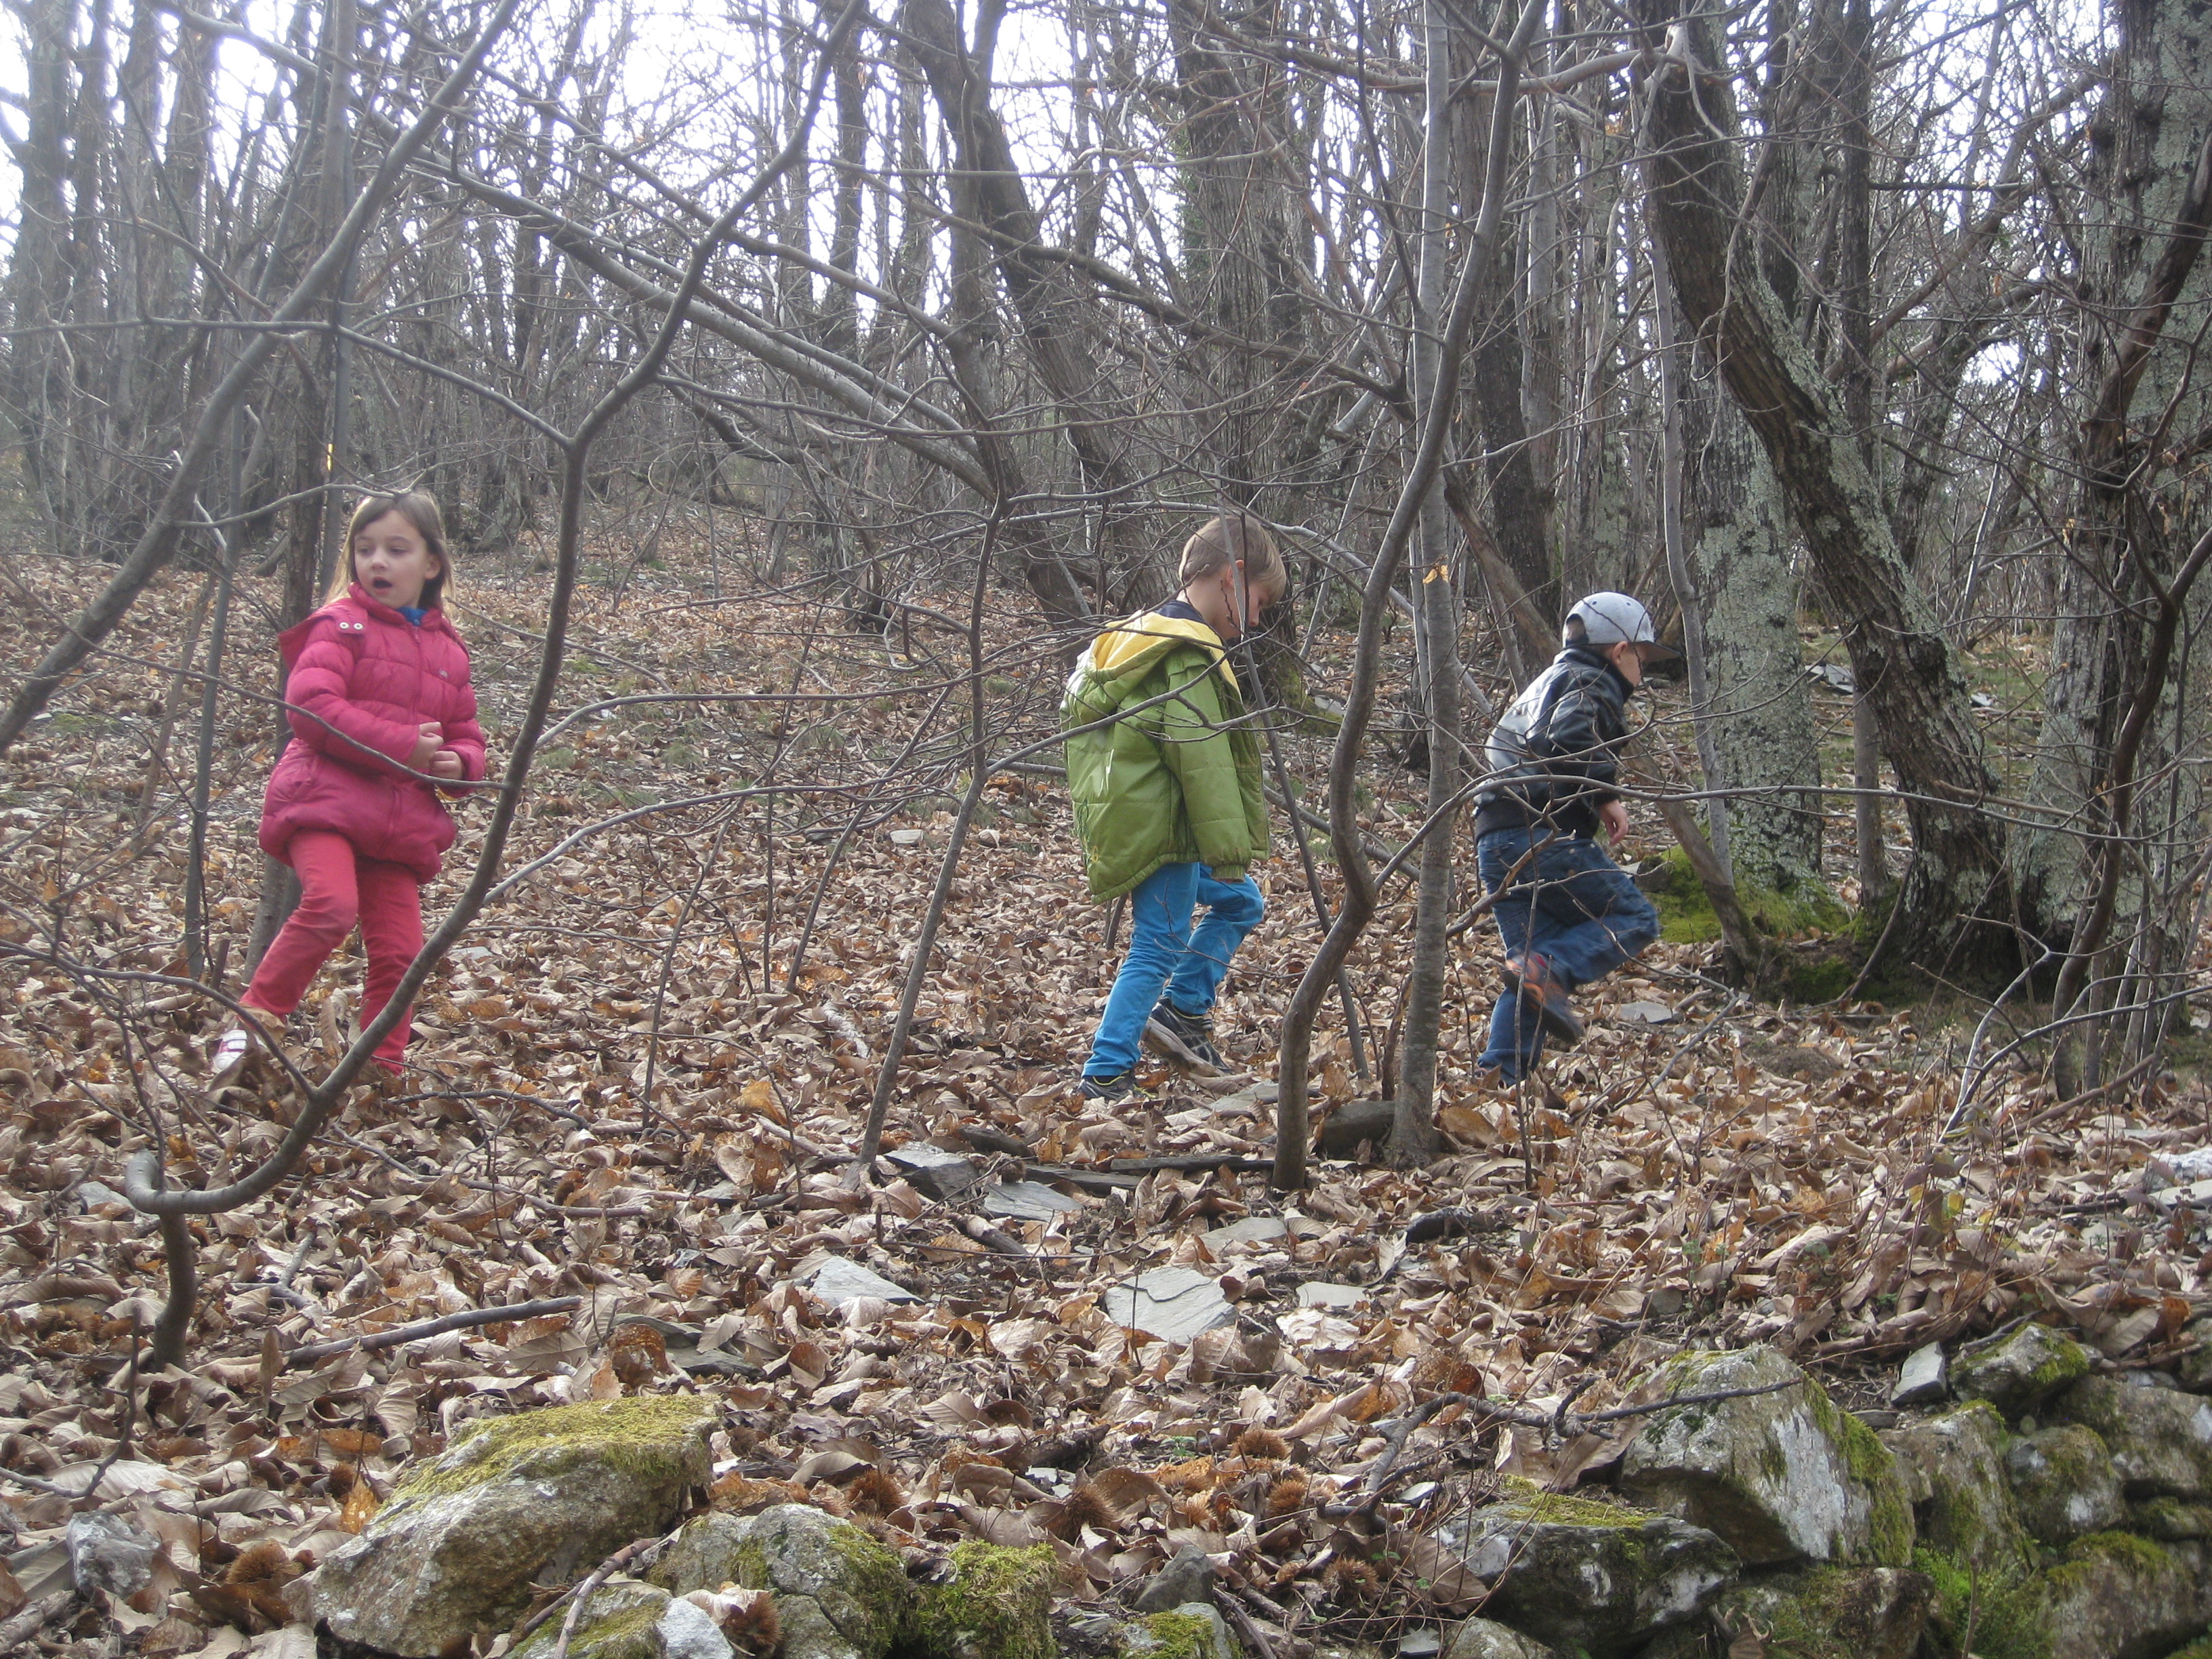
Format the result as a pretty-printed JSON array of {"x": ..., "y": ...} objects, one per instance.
[
  {"x": 1572, "y": 905},
  {"x": 1165, "y": 956}
]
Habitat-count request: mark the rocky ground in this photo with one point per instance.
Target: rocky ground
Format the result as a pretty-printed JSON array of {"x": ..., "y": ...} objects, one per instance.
[{"x": 640, "y": 1078}]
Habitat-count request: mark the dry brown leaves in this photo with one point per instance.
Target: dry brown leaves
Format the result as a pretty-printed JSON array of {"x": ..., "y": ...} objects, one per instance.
[{"x": 624, "y": 1093}]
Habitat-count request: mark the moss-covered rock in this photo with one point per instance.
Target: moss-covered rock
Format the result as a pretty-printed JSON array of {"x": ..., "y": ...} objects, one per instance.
[
  {"x": 1780, "y": 1474},
  {"x": 838, "y": 1594},
  {"x": 2001, "y": 1613},
  {"x": 997, "y": 1604},
  {"x": 2169, "y": 1520},
  {"x": 2063, "y": 1482},
  {"x": 1582, "y": 1575},
  {"x": 2193, "y": 1370},
  {"x": 1952, "y": 1468},
  {"x": 2160, "y": 1440},
  {"x": 2120, "y": 1596},
  {"x": 2019, "y": 1371},
  {"x": 1193, "y": 1631},
  {"x": 542, "y": 1496},
  {"x": 1484, "y": 1639},
  {"x": 626, "y": 1620},
  {"x": 1833, "y": 1612}
]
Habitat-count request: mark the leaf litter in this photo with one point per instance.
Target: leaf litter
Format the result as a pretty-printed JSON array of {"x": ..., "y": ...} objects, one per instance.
[{"x": 635, "y": 1088}]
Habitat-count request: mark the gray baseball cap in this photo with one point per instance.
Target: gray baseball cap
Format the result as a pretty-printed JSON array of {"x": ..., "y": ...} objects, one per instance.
[{"x": 1610, "y": 619}]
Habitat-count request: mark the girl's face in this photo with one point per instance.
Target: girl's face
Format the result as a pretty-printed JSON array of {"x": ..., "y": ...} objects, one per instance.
[{"x": 392, "y": 562}]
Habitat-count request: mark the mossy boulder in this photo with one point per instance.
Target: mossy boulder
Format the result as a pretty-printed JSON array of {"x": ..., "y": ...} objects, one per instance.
[
  {"x": 2171, "y": 1520},
  {"x": 2160, "y": 1440},
  {"x": 1484, "y": 1639},
  {"x": 541, "y": 1497},
  {"x": 2019, "y": 1370},
  {"x": 997, "y": 1604},
  {"x": 1193, "y": 1631},
  {"x": 1777, "y": 1472},
  {"x": 838, "y": 1594},
  {"x": 2063, "y": 1482},
  {"x": 2193, "y": 1370},
  {"x": 2001, "y": 1613},
  {"x": 1833, "y": 1612},
  {"x": 1952, "y": 1468},
  {"x": 626, "y": 1620},
  {"x": 2120, "y": 1596},
  {"x": 1581, "y": 1574}
]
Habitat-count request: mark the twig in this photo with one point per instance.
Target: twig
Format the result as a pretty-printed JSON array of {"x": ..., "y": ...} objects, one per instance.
[
  {"x": 467, "y": 1318},
  {"x": 639, "y": 1551},
  {"x": 18, "y": 1631},
  {"x": 1248, "y": 1627}
]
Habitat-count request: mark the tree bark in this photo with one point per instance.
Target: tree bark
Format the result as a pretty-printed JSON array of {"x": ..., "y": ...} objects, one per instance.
[{"x": 1898, "y": 650}]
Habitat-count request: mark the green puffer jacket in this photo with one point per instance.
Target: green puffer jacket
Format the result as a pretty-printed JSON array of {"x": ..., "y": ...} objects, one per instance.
[{"x": 1171, "y": 784}]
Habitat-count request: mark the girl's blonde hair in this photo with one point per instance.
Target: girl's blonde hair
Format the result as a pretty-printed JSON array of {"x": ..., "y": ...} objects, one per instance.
[
  {"x": 1222, "y": 541},
  {"x": 420, "y": 508}
]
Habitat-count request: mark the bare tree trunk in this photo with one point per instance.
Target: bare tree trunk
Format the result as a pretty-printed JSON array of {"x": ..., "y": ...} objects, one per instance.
[{"x": 1898, "y": 650}]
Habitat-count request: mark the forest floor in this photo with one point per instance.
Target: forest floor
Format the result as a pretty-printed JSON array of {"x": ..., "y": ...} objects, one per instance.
[{"x": 630, "y": 1087}]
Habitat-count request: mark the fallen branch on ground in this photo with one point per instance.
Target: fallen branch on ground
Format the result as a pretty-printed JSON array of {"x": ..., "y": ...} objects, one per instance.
[{"x": 309, "y": 1352}]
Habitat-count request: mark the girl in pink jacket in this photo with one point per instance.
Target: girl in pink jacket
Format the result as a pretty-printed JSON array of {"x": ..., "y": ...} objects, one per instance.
[{"x": 383, "y": 718}]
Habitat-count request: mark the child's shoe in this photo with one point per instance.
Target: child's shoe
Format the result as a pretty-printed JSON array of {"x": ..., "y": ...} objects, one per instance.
[
  {"x": 1533, "y": 977},
  {"x": 1122, "y": 1085},
  {"x": 1187, "y": 1039},
  {"x": 248, "y": 1037}
]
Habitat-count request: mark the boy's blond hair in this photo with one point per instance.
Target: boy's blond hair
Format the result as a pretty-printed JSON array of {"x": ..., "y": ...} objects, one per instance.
[{"x": 1222, "y": 541}]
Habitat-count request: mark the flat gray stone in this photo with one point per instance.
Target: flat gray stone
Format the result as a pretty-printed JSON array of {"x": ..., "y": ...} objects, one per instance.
[
  {"x": 1251, "y": 1229},
  {"x": 1645, "y": 1013},
  {"x": 1027, "y": 1201},
  {"x": 1184, "y": 1580},
  {"x": 838, "y": 1281},
  {"x": 1313, "y": 1294},
  {"x": 934, "y": 1172},
  {"x": 1173, "y": 1303},
  {"x": 1924, "y": 1379}
]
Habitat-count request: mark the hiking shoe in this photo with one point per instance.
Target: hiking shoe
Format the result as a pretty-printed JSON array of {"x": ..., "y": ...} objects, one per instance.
[
  {"x": 1533, "y": 977},
  {"x": 1122, "y": 1085},
  {"x": 1187, "y": 1039}
]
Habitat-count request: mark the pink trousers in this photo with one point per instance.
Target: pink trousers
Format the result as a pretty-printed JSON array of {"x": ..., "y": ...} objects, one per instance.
[{"x": 337, "y": 889}]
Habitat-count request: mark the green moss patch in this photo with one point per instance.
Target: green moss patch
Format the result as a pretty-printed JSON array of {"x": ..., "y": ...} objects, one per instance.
[
  {"x": 1176, "y": 1635},
  {"x": 2005, "y": 1611},
  {"x": 995, "y": 1606},
  {"x": 652, "y": 1438}
]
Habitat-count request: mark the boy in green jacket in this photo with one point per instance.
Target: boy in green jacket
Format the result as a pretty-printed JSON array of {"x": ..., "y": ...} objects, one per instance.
[{"x": 1168, "y": 803}]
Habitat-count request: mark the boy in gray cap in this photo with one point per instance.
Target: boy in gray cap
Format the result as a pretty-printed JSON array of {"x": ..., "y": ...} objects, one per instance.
[{"x": 1567, "y": 912}]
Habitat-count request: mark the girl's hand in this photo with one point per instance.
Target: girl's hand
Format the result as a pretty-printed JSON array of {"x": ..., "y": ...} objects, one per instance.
[
  {"x": 446, "y": 764},
  {"x": 428, "y": 737},
  {"x": 1614, "y": 816}
]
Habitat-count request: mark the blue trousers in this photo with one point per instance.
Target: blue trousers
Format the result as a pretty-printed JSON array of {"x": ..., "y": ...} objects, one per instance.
[
  {"x": 1572, "y": 905},
  {"x": 1166, "y": 958}
]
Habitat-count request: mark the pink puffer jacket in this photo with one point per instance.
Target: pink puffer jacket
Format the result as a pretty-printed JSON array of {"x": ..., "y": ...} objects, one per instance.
[{"x": 362, "y": 679}]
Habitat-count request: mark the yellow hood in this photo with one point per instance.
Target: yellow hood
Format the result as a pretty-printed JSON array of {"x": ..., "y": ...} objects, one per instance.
[{"x": 1131, "y": 644}]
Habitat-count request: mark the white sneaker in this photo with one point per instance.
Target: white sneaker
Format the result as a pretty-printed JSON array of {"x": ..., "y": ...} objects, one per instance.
[{"x": 236, "y": 1046}]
